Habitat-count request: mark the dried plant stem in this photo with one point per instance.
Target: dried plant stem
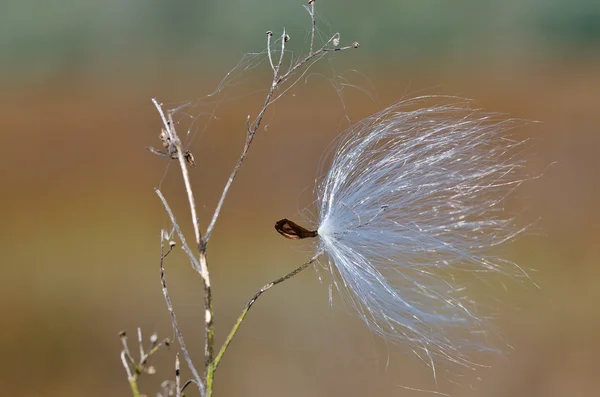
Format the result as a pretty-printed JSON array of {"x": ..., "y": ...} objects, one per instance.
[
  {"x": 251, "y": 132},
  {"x": 313, "y": 25},
  {"x": 178, "y": 334},
  {"x": 177, "y": 377},
  {"x": 265, "y": 288},
  {"x": 169, "y": 126},
  {"x": 278, "y": 79},
  {"x": 199, "y": 262},
  {"x": 132, "y": 378}
]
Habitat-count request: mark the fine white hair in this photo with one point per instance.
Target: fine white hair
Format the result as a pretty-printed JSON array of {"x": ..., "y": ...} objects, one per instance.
[{"x": 408, "y": 211}]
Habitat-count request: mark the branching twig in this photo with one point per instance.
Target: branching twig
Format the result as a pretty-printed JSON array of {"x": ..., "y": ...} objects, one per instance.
[
  {"x": 178, "y": 334},
  {"x": 138, "y": 367},
  {"x": 173, "y": 144},
  {"x": 174, "y": 140},
  {"x": 278, "y": 79},
  {"x": 266, "y": 287},
  {"x": 202, "y": 268}
]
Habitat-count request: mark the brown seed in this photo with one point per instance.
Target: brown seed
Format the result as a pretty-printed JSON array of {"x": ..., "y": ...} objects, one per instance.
[{"x": 293, "y": 231}]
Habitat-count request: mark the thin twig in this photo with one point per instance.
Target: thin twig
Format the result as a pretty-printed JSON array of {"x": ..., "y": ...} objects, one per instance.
[
  {"x": 125, "y": 364},
  {"x": 184, "y": 245},
  {"x": 177, "y": 377},
  {"x": 140, "y": 342},
  {"x": 269, "y": 35},
  {"x": 266, "y": 287},
  {"x": 253, "y": 127},
  {"x": 249, "y": 138},
  {"x": 174, "y": 139},
  {"x": 313, "y": 23},
  {"x": 208, "y": 317},
  {"x": 165, "y": 291},
  {"x": 132, "y": 378},
  {"x": 185, "y": 385},
  {"x": 203, "y": 267},
  {"x": 123, "y": 336}
]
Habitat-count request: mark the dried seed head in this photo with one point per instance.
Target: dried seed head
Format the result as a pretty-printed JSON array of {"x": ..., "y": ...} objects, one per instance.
[
  {"x": 355, "y": 44},
  {"x": 269, "y": 33},
  {"x": 407, "y": 213},
  {"x": 286, "y": 38}
]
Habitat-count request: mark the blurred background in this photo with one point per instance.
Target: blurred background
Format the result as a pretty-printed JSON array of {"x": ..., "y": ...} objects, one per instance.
[{"x": 81, "y": 223}]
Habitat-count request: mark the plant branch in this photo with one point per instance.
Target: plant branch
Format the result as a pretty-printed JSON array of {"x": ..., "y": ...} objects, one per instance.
[
  {"x": 278, "y": 79},
  {"x": 265, "y": 288},
  {"x": 175, "y": 147},
  {"x": 178, "y": 150},
  {"x": 311, "y": 11},
  {"x": 178, "y": 334}
]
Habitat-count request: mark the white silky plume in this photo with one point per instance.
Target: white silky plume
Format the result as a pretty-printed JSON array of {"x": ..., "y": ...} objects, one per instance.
[{"x": 408, "y": 212}]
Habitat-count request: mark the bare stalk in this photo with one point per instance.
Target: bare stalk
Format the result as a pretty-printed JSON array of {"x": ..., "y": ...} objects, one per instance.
[
  {"x": 175, "y": 150},
  {"x": 178, "y": 334},
  {"x": 176, "y": 147},
  {"x": 278, "y": 79},
  {"x": 176, "y": 142},
  {"x": 177, "y": 377},
  {"x": 311, "y": 11},
  {"x": 135, "y": 368}
]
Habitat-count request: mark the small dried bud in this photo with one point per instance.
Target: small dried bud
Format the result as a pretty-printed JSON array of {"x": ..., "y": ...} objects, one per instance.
[
  {"x": 123, "y": 335},
  {"x": 336, "y": 42},
  {"x": 172, "y": 243},
  {"x": 286, "y": 38},
  {"x": 154, "y": 336},
  {"x": 311, "y": 1},
  {"x": 151, "y": 370},
  {"x": 355, "y": 44},
  {"x": 269, "y": 33}
]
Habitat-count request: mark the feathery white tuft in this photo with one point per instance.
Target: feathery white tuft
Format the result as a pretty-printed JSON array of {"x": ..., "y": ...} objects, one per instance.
[{"x": 408, "y": 210}]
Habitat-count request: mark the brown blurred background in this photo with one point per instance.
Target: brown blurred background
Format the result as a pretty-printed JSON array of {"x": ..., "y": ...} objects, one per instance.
[{"x": 80, "y": 222}]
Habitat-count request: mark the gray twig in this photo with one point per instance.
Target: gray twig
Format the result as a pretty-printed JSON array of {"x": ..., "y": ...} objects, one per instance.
[{"x": 176, "y": 329}]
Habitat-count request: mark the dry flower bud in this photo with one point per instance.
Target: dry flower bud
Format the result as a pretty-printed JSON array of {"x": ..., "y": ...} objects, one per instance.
[
  {"x": 269, "y": 33},
  {"x": 355, "y": 44},
  {"x": 286, "y": 38}
]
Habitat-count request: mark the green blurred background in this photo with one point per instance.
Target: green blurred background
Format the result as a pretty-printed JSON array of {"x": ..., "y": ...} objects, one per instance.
[{"x": 80, "y": 222}]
